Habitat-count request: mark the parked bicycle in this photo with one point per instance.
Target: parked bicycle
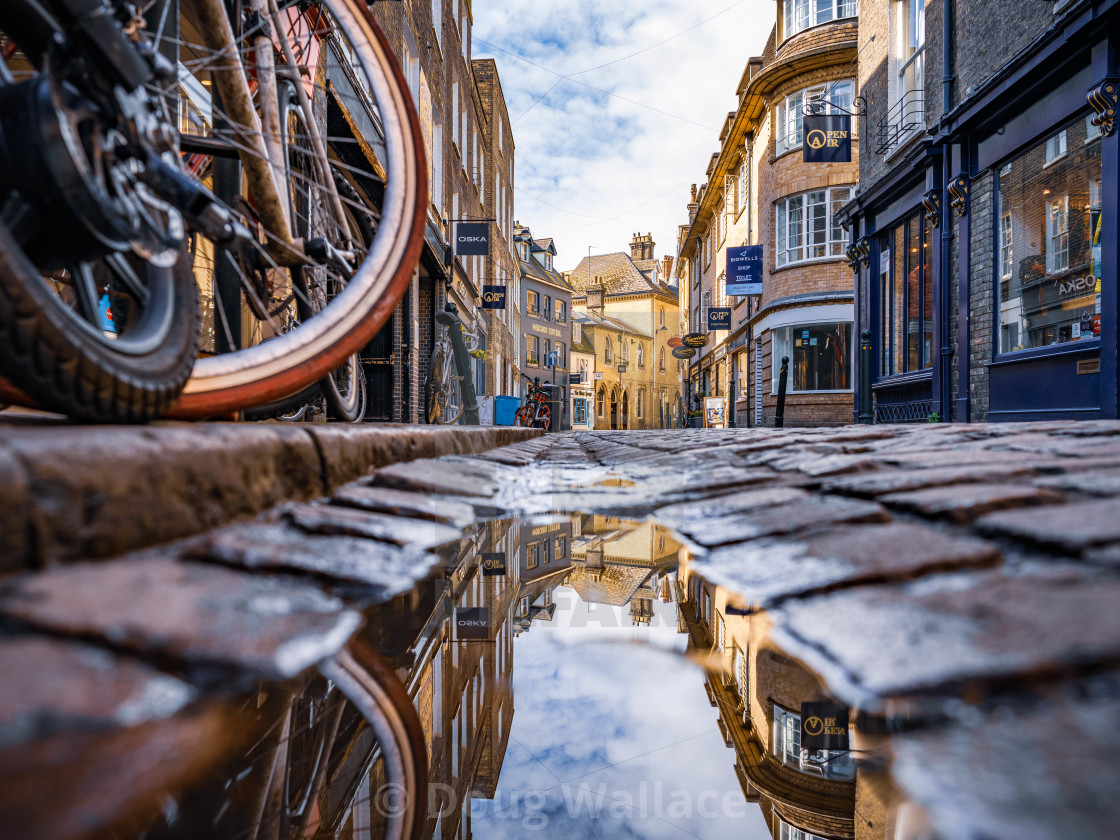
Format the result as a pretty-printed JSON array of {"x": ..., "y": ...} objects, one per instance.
[
  {"x": 148, "y": 162},
  {"x": 534, "y": 412}
]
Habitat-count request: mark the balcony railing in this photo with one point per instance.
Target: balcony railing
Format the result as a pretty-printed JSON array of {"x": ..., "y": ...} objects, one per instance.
[{"x": 907, "y": 115}]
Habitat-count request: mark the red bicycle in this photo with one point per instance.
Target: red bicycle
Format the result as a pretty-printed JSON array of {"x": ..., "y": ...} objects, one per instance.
[{"x": 534, "y": 413}]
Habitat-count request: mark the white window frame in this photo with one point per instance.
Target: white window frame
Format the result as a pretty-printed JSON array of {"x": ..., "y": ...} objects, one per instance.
[
  {"x": 1006, "y": 240},
  {"x": 1092, "y": 132},
  {"x": 437, "y": 23},
  {"x": 790, "y": 832},
  {"x": 786, "y": 745},
  {"x": 1057, "y": 147},
  {"x": 800, "y": 15},
  {"x": 608, "y": 355},
  {"x": 830, "y": 198},
  {"x": 790, "y": 114},
  {"x": 639, "y": 399},
  {"x": 1057, "y": 235}
]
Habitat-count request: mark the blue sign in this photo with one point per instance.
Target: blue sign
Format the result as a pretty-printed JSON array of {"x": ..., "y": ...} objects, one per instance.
[
  {"x": 553, "y": 359},
  {"x": 493, "y": 297},
  {"x": 744, "y": 270},
  {"x": 719, "y": 318}
]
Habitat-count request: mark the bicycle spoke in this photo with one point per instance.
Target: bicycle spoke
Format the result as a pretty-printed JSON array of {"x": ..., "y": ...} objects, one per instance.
[
  {"x": 125, "y": 273},
  {"x": 85, "y": 287}
]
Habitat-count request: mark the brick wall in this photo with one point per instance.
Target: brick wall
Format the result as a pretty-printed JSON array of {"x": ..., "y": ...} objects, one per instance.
[{"x": 981, "y": 297}]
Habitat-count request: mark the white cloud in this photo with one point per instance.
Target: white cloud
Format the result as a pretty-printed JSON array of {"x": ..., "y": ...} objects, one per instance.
[{"x": 591, "y": 168}]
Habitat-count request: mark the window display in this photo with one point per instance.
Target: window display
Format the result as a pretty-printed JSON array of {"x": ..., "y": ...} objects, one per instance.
[
  {"x": 820, "y": 356},
  {"x": 1048, "y": 246}
]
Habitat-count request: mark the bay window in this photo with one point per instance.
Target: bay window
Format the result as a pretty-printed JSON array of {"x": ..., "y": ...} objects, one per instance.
[
  {"x": 832, "y": 98},
  {"x": 807, "y": 228},
  {"x": 801, "y": 14}
]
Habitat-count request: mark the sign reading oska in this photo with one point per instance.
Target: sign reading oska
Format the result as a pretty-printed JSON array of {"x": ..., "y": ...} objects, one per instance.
[
  {"x": 472, "y": 623},
  {"x": 828, "y": 139},
  {"x": 493, "y": 297},
  {"x": 719, "y": 318},
  {"x": 472, "y": 239},
  {"x": 744, "y": 270},
  {"x": 824, "y": 726}
]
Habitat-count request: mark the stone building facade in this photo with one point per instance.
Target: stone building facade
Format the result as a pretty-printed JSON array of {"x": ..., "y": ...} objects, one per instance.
[
  {"x": 760, "y": 192},
  {"x": 991, "y": 157},
  {"x": 632, "y": 314}
]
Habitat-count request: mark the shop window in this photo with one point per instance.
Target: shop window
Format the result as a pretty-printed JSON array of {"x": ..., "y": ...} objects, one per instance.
[
  {"x": 1049, "y": 247},
  {"x": 833, "y": 98},
  {"x": 579, "y": 412},
  {"x": 820, "y": 356},
  {"x": 906, "y": 298},
  {"x": 807, "y": 228},
  {"x": 801, "y": 14}
]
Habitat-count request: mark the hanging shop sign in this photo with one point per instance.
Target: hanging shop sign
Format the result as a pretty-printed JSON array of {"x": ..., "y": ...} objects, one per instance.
[
  {"x": 683, "y": 352},
  {"x": 719, "y": 318},
  {"x": 744, "y": 270},
  {"x": 598, "y": 374},
  {"x": 824, "y": 726},
  {"x": 828, "y": 139},
  {"x": 575, "y": 378},
  {"x": 493, "y": 297},
  {"x": 493, "y": 564},
  {"x": 675, "y": 341},
  {"x": 472, "y": 623},
  {"x": 472, "y": 239},
  {"x": 695, "y": 339}
]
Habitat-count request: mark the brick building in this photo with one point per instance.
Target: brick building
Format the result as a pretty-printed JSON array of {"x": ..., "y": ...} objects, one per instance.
[
  {"x": 984, "y": 232},
  {"x": 760, "y": 192},
  {"x": 470, "y": 152},
  {"x": 632, "y": 313}
]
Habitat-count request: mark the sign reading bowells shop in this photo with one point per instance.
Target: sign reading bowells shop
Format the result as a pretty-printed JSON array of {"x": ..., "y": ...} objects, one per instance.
[
  {"x": 493, "y": 297},
  {"x": 828, "y": 139},
  {"x": 744, "y": 270}
]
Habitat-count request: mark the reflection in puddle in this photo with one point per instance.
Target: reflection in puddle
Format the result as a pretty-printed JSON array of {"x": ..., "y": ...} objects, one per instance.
[{"x": 552, "y": 664}]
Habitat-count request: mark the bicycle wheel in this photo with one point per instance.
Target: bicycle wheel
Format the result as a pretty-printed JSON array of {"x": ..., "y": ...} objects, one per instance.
[
  {"x": 340, "y": 55},
  {"x": 97, "y": 317},
  {"x": 542, "y": 418},
  {"x": 445, "y": 402},
  {"x": 524, "y": 417}
]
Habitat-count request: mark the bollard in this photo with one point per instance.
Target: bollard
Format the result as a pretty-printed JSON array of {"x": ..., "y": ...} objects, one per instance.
[
  {"x": 865, "y": 415},
  {"x": 780, "y": 413}
]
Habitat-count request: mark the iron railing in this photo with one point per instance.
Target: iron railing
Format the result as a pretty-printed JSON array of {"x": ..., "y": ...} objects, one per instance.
[{"x": 906, "y": 115}]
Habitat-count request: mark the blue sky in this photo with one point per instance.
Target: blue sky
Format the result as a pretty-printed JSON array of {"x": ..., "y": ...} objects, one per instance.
[
  {"x": 611, "y": 738},
  {"x": 603, "y": 152}
]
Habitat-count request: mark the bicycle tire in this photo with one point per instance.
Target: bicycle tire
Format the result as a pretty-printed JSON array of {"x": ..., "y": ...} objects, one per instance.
[
  {"x": 543, "y": 418},
  {"x": 442, "y": 409},
  {"x": 291, "y": 361},
  {"x": 348, "y": 407},
  {"x": 523, "y": 417}
]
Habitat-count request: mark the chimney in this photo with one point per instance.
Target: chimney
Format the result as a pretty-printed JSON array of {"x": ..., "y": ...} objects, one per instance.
[
  {"x": 595, "y": 297},
  {"x": 666, "y": 268},
  {"x": 693, "y": 206},
  {"x": 641, "y": 247}
]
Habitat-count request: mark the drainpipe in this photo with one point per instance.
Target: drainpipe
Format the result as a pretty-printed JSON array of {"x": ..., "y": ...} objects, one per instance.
[{"x": 945, "y": 406}]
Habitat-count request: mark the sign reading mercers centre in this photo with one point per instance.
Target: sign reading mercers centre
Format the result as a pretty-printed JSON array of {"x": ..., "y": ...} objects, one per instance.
[
  {"x": 744, "y": 270},
  {"x": 828, "y": 139},
  {"x": 472, "y": 239}
]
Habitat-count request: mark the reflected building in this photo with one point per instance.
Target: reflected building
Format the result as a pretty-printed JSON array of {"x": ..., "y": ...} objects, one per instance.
[{"x": 758, "y": 692}]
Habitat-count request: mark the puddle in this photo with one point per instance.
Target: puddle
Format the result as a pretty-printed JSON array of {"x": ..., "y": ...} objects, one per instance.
[{"x": 573, "y": 677}]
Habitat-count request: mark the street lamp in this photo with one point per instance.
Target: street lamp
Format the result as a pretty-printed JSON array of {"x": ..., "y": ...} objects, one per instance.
[
  {"x": 660, "y": 411},
  {"x": 621, "y": 370}
]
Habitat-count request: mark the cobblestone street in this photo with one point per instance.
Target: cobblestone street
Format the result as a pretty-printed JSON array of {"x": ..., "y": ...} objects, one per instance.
[{"x": 956, "y": 586}]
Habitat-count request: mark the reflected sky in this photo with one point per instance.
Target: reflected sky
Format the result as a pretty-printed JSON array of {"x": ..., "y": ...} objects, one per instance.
[{"x": 612, "y": 735}]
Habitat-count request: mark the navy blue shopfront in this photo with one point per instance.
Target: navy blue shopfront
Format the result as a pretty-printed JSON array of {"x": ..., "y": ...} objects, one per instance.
[{"x": 987, "y": 257}]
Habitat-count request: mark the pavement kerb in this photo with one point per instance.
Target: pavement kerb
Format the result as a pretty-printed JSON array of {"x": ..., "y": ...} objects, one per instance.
[{"x": 83, "y": 492}]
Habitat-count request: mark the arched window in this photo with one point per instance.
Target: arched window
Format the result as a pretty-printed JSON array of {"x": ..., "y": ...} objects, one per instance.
[
  {"x": 661, "y": 316},
  {"x": 661, "y": 360},
  {"x": 641, "y": 356},
  {"x": 607, "y": 349},
  {"x": 623, "y": 350}
]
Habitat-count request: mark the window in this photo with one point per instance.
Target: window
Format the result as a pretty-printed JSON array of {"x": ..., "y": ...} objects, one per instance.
[
  {"x": 788, "y": 832},
  {"x": 533, "y": 302},
  {"x": 721, "y": 632},
  {"x": 532, "y": 350},
  {"x": 661, "y": 360},
  {"x": 455, "y": 113},
  {"x": 547, "y": 357},
  {"x": 561, "y": 312},
  {"x": 721, "y": 226},
  {"x": 600, "y": 402},
  {"x": 739, "y": 672},
  {"x": 906, "y": 297},
  {"x": 911, "y": 45},
  {"x": 437, "y": 163},
  {"x": 708, "y": 249},
  {"x": 707, "y": 304},
  {"x": 579, "y": 412},
  {"x": 641, "y": 355},
  {"x": 639, "y": 402},
  {"x": 820, "y": 356},
  {"x": 546, "y": 311},
  {"x": 801, "y": 14},
  {"x": 1057, "y": 147},
  {"x": 606, "y": 349},
  {"x": 532, "y": 555},
  {"x": 807, "y": 228},
  {"x": 1057, "y": 235},
  {"x": 787, "y": 736},
  {"x": 437, "y": 22},
  {"x": 1092, "y": 132},
  {"x": 1049, "y": 285},
  {"x": 623, "y": 350},
  {"x": 560, "y": 548},
  {"x": 661, "y": 316},
  {"x": 790, "y": 117}
]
